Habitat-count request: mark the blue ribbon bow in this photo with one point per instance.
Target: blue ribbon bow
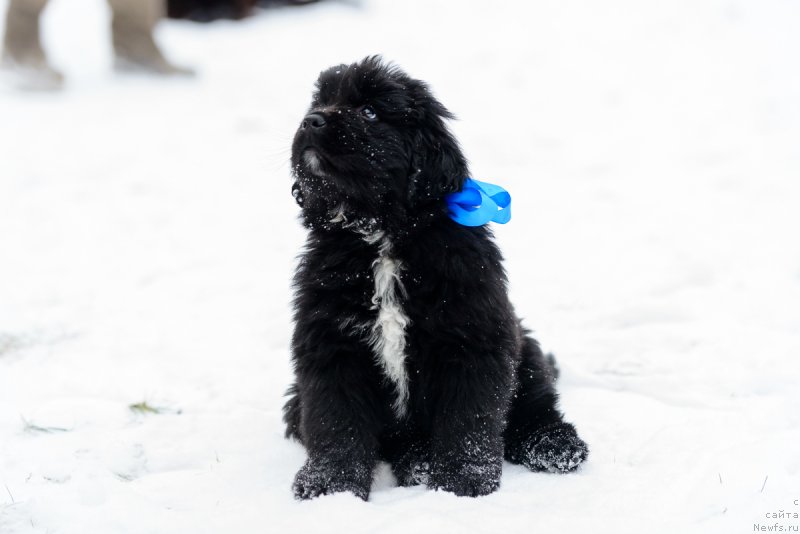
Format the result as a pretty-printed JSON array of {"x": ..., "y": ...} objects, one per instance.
[{"x": 479, "y": 203}]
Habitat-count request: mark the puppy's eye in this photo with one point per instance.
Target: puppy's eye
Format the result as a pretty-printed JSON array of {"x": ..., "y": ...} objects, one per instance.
[{"x": 369, "y": 113}]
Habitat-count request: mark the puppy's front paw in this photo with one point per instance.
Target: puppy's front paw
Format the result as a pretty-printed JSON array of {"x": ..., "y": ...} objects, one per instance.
[
  {"x": 467, "y": 478},
  {"x": 319, "y": 477},
  {"x": 556, "y": 448}
]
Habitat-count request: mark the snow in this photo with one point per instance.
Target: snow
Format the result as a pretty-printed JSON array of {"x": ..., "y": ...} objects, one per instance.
[{"x": 148, "y": 236}]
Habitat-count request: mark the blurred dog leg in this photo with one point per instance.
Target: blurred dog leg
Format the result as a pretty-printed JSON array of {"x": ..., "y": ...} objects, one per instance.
[
  {"x": 22, "y": 47},
  {"x": 132, "y": 25}
]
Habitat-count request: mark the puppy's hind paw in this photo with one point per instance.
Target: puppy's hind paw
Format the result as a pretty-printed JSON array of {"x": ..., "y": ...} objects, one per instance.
[
  {"x": 413, "y": 474},
  {"x": 556, "y": 448},
  {"x": 413, "y": 468},
  {"x": 317, "y": 478},
  {"x": 467, "y": 480}
]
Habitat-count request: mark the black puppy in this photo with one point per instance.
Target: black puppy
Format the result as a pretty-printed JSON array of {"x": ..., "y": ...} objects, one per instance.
[{"x": 406, "y": 347}]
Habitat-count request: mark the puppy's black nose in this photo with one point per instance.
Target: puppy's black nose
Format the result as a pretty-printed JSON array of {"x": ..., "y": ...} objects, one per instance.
[{"x": 314, "y": 120}]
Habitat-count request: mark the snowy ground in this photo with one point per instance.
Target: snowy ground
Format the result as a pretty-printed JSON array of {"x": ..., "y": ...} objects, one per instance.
[{"x": 147, "y": 236}]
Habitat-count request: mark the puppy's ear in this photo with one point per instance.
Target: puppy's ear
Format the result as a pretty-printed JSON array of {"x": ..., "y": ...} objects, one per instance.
[{"x": 438, "y": 166}]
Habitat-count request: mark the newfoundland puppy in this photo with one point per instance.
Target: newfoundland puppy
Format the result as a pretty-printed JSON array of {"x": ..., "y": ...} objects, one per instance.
[{"x": 406, "y": 348}]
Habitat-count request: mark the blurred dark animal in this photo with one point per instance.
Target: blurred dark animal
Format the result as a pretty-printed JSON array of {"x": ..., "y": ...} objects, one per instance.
[
  {"x": 406, "y": 347},
  {"x": 210, "y": 10}
]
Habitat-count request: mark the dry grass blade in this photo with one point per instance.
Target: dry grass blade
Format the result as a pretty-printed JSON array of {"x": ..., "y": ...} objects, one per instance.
[
  {"x": 145, "y": 408},
  {"x": 34, "y": 428}
]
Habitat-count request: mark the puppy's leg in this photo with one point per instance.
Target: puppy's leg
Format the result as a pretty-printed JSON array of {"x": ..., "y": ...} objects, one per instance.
[
  {"x": 135, "y": 48},
  {"x": 467, "y": 445},
  {"x": 22, "y": 46},
  {"x": 537, "y": 435},
  {"x": 341, "y": 416},
  {"x": 291, "y": 414}
]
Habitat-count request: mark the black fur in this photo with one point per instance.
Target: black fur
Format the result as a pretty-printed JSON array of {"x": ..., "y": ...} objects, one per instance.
[
  {"x": 480, "y": 389},
  {"x": 211, "y": 10}
]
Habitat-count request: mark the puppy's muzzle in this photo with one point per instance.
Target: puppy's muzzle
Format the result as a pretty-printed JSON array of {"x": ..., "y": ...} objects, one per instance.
[{"x": 314, "y": 121}]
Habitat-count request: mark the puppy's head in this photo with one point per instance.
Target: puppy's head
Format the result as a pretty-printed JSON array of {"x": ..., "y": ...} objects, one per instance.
[{"x": 374, "y": 144}]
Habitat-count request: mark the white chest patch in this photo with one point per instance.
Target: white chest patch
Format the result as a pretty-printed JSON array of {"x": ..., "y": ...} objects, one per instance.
[{"x": 387, "y": 335}]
